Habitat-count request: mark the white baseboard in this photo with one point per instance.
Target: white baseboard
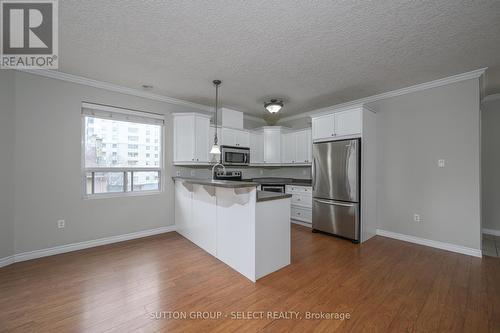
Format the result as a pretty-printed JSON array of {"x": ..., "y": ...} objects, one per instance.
[
  {"x": 432, "y": 243},
  {"x": 493, "y": 232},
  {"x": 304, "y": 224},
  {"x": 82, "y": 245},
  {"x": 6, "y": 261}
]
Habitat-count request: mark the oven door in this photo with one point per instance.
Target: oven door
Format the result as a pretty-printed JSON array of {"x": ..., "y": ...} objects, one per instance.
[{"x": 235, "y": 156}]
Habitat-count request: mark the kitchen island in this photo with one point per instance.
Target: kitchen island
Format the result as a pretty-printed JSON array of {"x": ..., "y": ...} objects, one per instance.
[{"x": 248, "y": 230}]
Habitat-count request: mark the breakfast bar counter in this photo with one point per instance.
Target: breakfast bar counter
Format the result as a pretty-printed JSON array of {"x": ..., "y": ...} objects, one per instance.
[{"x": 246, "y": 229}]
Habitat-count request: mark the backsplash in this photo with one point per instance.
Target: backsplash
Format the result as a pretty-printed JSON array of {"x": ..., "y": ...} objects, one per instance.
[{"x": 248, "y": 172}]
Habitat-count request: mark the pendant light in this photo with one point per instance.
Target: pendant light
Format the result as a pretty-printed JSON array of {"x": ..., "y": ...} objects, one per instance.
[
  {"x": 215, "y": 147},
  {"x": 274, "y": 105}
]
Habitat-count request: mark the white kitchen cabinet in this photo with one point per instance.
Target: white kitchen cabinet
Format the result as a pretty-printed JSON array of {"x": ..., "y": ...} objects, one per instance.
[
  {"x": 301, "y": 207},
  {"x": 348, "y": 122},
  {"x": 272, "y": 145},
  {"x": 256, "y": 148},
  {"x": 303, "y": 146},
  {"x": 191, "y": 134},
  {"x": 296, "y": 147},
  {"x": 323, "y": 127},
  {"x": 202, "y": 135},
  {"x": 235, "y": 137},
  {"x": 337, "y": 125},
  {"x": 288, "y": 149}
]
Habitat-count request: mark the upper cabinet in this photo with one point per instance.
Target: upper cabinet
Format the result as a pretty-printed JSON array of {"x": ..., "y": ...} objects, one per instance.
[
  {"x": 269, "y": 145},
  {"x": 337, "y": 125},
  {"x": 235, "y": 137},
  {"x": 191, "y": 134},
  {"x": 256, "y": 147},
  {"x": 303, "y": 144},
  {"x": 272, "y": 145},
  {"x": 296, "y": 147}
]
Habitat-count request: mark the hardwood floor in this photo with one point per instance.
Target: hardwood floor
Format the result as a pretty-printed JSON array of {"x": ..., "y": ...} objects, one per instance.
[{"x": 384, "y": 285}]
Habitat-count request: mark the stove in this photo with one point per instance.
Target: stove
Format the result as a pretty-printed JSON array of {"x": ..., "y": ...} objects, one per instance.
[{"x": 228, "y": 175}]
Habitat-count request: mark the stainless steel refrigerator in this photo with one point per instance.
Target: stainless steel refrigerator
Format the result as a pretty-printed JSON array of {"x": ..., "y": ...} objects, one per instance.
[{"x": 336, "y": 188}]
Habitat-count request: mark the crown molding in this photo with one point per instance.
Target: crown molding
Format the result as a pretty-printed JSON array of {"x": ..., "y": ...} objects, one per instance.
[
  {"x": 490, "y": 98},
  {"x": 123, "y": 90},
  {"x": 113, "y": 87},
  {"x": 475, "y": 74}
]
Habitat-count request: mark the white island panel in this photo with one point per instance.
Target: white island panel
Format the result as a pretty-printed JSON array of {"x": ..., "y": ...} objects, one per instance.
[
  {"x": 205, "y": 218},
  {"x": 272, "y": 239},
  {"x": 236, "y": 229}
]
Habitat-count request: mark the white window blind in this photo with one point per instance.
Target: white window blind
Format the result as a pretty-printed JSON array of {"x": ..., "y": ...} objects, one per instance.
[{"x": 121, "y": 114}]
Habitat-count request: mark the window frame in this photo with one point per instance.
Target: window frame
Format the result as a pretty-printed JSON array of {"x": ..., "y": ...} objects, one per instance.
[{"x": 160, "y": 169}]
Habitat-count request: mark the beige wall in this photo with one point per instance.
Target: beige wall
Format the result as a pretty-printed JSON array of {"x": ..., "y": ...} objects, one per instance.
[
  {"x": 490, "y": 145},
  {"x": 414, "y": 132},
  {"x": 6, "y": 163},
  {"x": 48, "y": 168}
]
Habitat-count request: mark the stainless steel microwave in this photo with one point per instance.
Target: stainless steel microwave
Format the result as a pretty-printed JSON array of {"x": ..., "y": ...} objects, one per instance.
[{"x": 234, "y": 155}]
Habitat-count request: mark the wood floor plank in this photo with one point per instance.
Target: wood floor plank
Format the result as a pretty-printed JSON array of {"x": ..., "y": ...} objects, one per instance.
[{"x": 384, "y": 285}]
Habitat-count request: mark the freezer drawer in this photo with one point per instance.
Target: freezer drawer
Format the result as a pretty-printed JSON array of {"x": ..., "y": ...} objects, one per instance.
[{"x": 338, "y": 218}]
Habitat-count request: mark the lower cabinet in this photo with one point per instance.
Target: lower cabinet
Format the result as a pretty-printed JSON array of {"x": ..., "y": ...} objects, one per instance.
[
  {"x": 301, "y": 208},
  {"x": 302, "y": 214}
]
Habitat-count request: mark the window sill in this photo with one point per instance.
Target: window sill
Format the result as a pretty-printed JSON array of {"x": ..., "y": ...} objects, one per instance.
[{"x": 120, "y": 195}]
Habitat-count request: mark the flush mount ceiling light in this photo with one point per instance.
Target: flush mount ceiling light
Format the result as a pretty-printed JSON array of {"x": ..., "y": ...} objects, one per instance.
[
  {"x": 274, "y": 105},
  {"x": 215, "y": 147}
]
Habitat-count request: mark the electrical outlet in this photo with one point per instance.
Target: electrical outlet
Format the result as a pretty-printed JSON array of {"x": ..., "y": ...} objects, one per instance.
[
  {"x": 61, "y": 224},
  {"x": 193, "y": 173},
  {"x": 178, "y": 173},
  {"x": 417, "y": 218},
  {"x": 441, "y": 163}
]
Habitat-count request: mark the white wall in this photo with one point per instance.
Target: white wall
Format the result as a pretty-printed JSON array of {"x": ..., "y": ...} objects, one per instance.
[
  {"x": 47, "y": 172},
  {"x": 6, "y": 163},
  {"x": 490, "y": 149},
  {"x": 414, "y": 131}
]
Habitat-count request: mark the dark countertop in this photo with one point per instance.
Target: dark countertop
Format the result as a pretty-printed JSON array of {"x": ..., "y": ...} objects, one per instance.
[
  {"x": 286, "y": 181},
  {"x": 268, "y": 196},
  {"x": 217, "y": 183}
]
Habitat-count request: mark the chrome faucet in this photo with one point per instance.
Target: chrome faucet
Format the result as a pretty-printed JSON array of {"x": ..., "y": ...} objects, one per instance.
[{"x": 213, "y": 169}]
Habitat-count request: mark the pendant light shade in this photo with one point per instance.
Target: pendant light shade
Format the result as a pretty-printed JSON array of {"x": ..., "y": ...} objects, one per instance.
[
  {"x": 274, "y": 106},
  {"x": 215, "y": 147}
]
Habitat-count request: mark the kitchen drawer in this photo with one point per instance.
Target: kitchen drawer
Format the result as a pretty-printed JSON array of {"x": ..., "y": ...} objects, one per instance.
[
  {"x": 299, "y": 189},
  {"x": 302, "y": 200},
  {"x": 301, "y": 214}
]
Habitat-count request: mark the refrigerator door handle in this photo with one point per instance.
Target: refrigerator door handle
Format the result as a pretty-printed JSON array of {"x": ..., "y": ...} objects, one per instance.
[
  {"x": 338, "y": 203},
  {"x": 313, "y": 172}
]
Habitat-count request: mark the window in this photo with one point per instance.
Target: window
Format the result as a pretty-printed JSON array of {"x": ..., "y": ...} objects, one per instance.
[{"x": 127, "y": 168}]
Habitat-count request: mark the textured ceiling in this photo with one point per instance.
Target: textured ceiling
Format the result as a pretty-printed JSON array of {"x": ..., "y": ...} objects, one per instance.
[{"x": 311, "y": 53}]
